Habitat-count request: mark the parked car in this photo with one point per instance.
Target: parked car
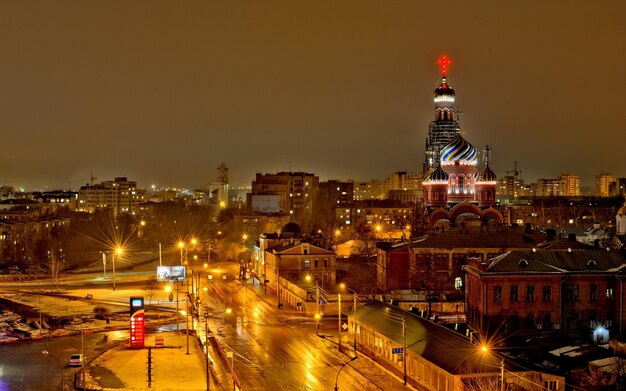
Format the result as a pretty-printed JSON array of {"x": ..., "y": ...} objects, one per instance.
[{"x": 76, "y": 360}]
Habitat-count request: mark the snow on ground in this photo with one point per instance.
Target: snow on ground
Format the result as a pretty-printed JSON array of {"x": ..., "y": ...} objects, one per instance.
[{"x": 172, "y": 368}]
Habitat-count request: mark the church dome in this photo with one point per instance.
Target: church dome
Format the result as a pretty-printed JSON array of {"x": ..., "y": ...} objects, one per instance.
[
  {"x": 622, "y": 211},
  {"x": 426, "y": 175},
  {"x": 459, "y": 150},
  {"x": 291, "y": 230},
  {"x": 438, "y": 175},
  {"x": 444, "y": 89},
  {"x": 486, "y": 175}
]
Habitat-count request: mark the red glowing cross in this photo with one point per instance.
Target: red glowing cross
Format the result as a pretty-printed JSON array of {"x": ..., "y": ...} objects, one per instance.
[{"x": 444, "y": 62}]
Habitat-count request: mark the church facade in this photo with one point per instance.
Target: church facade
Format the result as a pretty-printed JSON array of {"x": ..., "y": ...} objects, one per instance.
[{"x": 453, "y": 184}]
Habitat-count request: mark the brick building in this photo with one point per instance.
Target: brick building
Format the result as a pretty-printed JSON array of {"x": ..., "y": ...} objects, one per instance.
[
  {"x": 528, "y": 292},
  {"x": 435, "y": 262}
]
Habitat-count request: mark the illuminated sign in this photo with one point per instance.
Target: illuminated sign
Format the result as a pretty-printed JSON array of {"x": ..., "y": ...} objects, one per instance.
[
  {"x": 137, "y": 323},
  {"x": 170, "y": 273}
]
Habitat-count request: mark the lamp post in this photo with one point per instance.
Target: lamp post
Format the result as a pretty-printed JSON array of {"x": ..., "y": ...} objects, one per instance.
[
  {"x": 206, "y": 347},
  {"x": 339, "y": 321},
  {"x": 343, "y": 286},
  {"x": 339, "y": 371},
  {"x": 486, "y": 349},
  {"x": 118, "y": 252},
  {"x": 47, "y": 353}
]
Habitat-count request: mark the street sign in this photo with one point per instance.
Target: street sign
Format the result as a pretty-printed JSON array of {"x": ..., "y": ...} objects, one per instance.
[{"x": 396, "y": 350}]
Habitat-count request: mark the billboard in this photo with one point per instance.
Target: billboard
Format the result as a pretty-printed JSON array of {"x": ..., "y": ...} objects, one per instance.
[
  {"x": 266, "y": 203},
  {"x": 137, "y": 323},
  {"x": 170, "y": 273}
]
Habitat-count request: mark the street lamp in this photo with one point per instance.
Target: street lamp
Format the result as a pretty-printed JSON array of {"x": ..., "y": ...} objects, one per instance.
[
  {"x": 47, "y": 353},
  {"x": 485, "y": 349},
  {"x": 338, "y": 372},
  {"x": 186, "y": 315},
  {"x": 117, "y": 254}
]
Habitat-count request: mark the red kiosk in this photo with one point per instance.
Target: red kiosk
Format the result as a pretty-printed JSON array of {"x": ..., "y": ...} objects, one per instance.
[{"x": 137, "y": 323}]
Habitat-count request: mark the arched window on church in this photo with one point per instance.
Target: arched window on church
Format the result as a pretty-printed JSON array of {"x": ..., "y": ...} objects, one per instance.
[
  {"x": 468, "y": 183},
  {"x": 452, "y": 183},
  {"x": 461, "y": 184}
]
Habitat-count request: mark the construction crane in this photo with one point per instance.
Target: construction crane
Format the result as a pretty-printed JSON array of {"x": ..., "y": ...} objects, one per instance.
[
  {"x": 91, "y": 179},
  {"x": 516, "y": 171}
]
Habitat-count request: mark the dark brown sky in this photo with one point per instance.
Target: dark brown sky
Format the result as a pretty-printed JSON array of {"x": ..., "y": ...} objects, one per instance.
[{"x": 162, "y": 92}]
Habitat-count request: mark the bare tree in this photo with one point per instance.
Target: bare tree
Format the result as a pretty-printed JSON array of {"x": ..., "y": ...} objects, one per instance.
[{"x": 491, "y": 383}]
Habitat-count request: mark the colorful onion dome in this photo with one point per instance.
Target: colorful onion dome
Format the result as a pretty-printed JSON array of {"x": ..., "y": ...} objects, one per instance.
[
  {"x": 444, "y": 89},
  {"x": 438, "y": 175},
  {"x": 459, "y": 150},
  {"x": 426, "y": 174},
  {"x": 486, "y": 175}
]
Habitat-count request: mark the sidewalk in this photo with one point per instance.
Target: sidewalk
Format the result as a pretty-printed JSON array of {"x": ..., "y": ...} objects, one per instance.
[{"x": 171, "y": 367}]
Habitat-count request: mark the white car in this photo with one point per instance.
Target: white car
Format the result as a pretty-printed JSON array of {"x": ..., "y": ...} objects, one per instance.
[{"x": 76, "y": 360}]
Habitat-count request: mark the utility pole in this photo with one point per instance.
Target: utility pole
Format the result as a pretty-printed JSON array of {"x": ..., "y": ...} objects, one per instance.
[
  {"x": 187, "y": 316},
  {"x": 82, "y": 352},
  {"x": 502, "y": 374},
  {"x": 113, "y": 256},
  {"x": 354, "y": 323},
  {"x": 339, "y": 321},
  {"x": 104, "y": 264},
  {"x": 317, "y": 307},
  {"x": 404, "y": 348},
  {"x": 206, "y": 346}
]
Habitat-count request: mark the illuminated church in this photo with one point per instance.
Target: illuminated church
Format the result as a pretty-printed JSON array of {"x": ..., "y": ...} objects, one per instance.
[{"x": 452, "y": 182}]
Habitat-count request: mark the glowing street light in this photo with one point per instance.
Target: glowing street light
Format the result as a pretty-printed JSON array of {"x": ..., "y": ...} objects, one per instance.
[
  {"x": 119, "y": 250},
  {"x": 485, "y": 349}
]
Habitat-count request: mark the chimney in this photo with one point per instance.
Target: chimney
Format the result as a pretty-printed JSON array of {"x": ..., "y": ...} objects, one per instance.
[
  {"x": 529, "y": 227},
  {"x": 551, "y": 232},
  {"x": 571, "y": 236}
]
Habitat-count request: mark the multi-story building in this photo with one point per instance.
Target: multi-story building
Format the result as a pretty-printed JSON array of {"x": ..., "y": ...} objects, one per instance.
[
  {"x": 293, "y": 193},
  {"x": 336, "y": 193},
  {"x": 286, "y": 254},
  {"x": 383, "y": 213},
  {"x": 120, "y": 195},
  {"x": 372, "y": 190},
  {"x": 569, "y": 185},
  {"x": 604, "y": 181},
  {"x": 511, "y": 186},
  {"x": 548, "y": 187},
  {"x": 538, "y": 291},
  {"x": 435, "y": 262},
  {"x": 21, "y": 238}
]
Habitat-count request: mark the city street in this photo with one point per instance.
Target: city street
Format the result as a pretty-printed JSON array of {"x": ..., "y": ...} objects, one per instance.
[
  {"x": 278, "y": 348},
  {"x": 23, "y": 366},
  {"x": 269, "y": 348}
]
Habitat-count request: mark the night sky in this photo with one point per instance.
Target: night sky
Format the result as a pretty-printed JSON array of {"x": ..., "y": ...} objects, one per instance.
[{"x": 163, "y": 92}]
